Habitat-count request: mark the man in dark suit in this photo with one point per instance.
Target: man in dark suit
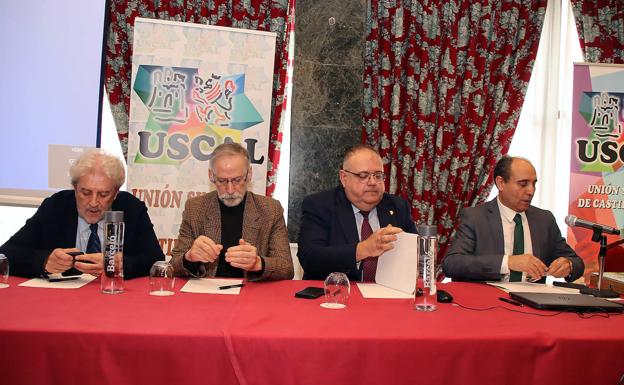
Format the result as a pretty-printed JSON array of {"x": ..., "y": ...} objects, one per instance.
[
  {"x": 72, "y": 220},
  {"x": 507, "y": 238},
  {"x": 347, "y": 228}
]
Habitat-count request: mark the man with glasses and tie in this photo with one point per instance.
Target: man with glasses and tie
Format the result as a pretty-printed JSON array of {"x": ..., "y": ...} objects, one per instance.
[
  {"x": 232, "y": 232},
  {"x": 348, "y": 228},
  {"x": 72, "y": 220},
  {"x": 508, "y": 239}
]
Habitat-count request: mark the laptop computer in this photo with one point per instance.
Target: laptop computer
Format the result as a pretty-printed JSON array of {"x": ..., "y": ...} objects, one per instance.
[{"x": 567, "y": 302}]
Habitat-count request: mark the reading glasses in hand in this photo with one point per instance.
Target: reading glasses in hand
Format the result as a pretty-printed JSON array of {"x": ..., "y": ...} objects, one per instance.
[{"x": 365, "y": 176}]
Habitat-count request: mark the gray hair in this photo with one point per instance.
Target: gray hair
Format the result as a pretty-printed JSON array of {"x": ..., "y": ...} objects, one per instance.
[
  {"x": 229, "y": 149},
  {"x": 98, "y": 160}
]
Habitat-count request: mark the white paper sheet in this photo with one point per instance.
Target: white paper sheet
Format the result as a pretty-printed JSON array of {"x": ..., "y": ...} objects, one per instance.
[
  {"x": 373, "y": 290},
  {"x": 211, "y": 286},
  {"x": 614, "y": 276},
  {"x": 70, "y": 284},
  {"x": 397, "y": 268},
  {"x": 528, "y": 287}
]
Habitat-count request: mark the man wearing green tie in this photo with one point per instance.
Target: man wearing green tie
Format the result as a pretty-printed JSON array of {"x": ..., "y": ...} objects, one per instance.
[{"x": 507, "y": 238}]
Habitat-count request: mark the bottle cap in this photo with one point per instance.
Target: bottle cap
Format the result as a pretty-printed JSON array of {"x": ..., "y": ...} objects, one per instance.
[
  {"x": 113, "y": 216},
  {"x": 427, "y": 230}
]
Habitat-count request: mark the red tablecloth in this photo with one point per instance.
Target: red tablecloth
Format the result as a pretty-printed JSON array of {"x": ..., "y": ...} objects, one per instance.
[{"x": 266, "y": 336}]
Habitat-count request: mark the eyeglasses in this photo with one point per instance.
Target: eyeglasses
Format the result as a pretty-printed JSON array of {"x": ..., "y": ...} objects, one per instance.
[
  {"x": 235, "y": 181},
  {"x": 364, "y": 176}
]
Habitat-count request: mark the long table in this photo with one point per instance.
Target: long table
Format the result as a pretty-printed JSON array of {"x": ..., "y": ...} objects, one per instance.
[{"x": 266, "y": 336}]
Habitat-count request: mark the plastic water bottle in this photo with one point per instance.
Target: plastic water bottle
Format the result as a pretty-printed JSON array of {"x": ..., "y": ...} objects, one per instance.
[
  {"x": 425, "y": 296},
  {"x": 112, "y": 250}
]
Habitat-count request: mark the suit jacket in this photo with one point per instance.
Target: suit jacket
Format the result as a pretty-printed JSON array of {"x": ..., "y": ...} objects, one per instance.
[
  {"x": 263, "y": 226},
  {"x": 55, "y": 223},
  {"x": 476, "y": 252},
  {"x": 329, "y": 236}
]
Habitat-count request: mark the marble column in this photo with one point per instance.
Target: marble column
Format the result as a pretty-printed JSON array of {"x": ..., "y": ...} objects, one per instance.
[{"x": 327, "y": 96}]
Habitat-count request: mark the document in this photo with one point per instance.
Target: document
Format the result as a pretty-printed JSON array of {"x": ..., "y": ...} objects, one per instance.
[
  {"x": 619, "y": 277},
  {"x": 529, "y": 287},
  {"x": 373, "y": 290},
  {"x": 398, "y": 268},
  {"x": 77, "y": 283},
  {"x": 212, "y": 285}
]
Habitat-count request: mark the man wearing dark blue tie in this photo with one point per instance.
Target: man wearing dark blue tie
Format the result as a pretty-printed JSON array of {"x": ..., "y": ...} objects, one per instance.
[
  {"x": 348, "y": 228},
  {"x": 72, "y": 220},
  {"x": 507, "y": 238}
]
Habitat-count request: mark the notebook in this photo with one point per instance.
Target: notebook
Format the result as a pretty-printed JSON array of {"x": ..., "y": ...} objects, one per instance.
[{"x": 566, "y": 302}]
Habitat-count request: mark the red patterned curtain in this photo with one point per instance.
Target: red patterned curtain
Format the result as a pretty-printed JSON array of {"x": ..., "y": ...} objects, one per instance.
[
  {"x": 600, "y": 25},
  {"x": 444, "y": 83},
  {"x": 262, "y": 15}
]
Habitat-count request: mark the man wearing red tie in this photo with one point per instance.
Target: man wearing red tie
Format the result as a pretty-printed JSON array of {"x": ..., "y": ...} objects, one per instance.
[
  {"x": 507, "y": 238},
  {"x": 348, "y": 228}
]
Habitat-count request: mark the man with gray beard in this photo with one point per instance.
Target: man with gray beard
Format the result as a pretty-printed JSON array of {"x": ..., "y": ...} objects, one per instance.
[{"x": 232, "y": 232}]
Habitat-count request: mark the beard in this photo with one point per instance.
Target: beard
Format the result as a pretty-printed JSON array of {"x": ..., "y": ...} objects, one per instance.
[{"x": 231, "y": 200}]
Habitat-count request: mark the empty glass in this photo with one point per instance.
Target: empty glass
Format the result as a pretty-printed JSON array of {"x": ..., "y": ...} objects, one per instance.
[
  {"x": 4, "y": 271},
  {"x": 161, "y": 279},
  {"x": 337, "y": 289}
]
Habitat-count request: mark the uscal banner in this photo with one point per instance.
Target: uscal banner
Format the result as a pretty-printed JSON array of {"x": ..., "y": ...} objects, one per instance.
[
  {"x": 193, "y": 88},
  {"x": 597, "y": 156}
]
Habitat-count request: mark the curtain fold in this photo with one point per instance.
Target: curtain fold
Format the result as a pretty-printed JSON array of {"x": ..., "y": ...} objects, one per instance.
[
  {"x": 262, "y": 15},
  {"x": 600, "y": 25},
  {"x": 444, "y": 84}
]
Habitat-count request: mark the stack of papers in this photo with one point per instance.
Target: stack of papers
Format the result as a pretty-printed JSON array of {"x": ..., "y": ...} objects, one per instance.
[
  {"x": 528, "y": 287},
  {"x": 397, "y": 270}
]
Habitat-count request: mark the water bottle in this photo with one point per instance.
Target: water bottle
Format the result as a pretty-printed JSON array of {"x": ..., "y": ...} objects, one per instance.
[
  {"x": 112, "y": 250},
  {"x": 425, "y": 296}
]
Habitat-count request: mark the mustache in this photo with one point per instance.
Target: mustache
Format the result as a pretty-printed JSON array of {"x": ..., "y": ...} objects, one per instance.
[{"x": 231, "y": 199}]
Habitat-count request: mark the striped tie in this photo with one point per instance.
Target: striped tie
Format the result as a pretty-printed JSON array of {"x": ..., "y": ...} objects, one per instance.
[
  {"x": 93, "y": 245},
  {"x": 369, "y": 265}
]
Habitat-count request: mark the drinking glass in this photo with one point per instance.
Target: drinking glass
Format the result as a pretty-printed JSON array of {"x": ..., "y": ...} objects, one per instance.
[
  {"x": 4, "y": 271},
  {"x": 337, "y": 289},
  {"x": 161, "y": 279}
]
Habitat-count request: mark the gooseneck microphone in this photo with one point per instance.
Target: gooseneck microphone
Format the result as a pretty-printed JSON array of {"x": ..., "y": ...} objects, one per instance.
[{"x": 572, "y": 220}]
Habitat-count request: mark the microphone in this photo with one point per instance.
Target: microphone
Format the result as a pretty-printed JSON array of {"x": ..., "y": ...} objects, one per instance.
[{"x": 572, "y": 220}]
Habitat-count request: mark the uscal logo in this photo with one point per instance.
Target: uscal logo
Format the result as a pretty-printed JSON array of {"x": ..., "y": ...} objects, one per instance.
[{"x": 602, "y": 147}]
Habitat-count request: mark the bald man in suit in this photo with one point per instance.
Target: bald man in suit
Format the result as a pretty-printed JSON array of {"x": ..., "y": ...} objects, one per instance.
[
  {"x": 332, "y": 238},
  {"x": 483, "y": 246}
]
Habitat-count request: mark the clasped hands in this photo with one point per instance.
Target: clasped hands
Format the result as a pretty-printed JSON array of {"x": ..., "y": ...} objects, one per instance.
[
  {"x": 244, "y": 255},
  {"x": 378, "y": 243},
  {"x": 59, "y": 261},
  {"x": 536, "y": 269}
]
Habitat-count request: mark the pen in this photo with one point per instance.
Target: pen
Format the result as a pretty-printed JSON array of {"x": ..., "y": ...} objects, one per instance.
[
  {"x": 62, "y": 279},
  {"x": 510, "y": 301},
  {"x": 231, "y": 286}
]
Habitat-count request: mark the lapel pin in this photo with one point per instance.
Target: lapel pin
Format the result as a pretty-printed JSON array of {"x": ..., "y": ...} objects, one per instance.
[{"x": 391, "y": 212}]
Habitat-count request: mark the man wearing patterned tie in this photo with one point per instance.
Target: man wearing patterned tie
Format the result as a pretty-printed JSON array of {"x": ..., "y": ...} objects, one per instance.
[
  {"x": 72, "y": 220},
  {"x": 348, "y": 228},
  {"x": 507, "y": 238}
]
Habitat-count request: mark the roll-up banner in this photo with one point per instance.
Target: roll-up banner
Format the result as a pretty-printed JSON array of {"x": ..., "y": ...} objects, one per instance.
[
  {"x": 597, "y": 156},
  {"x": 193, "y": 88}
]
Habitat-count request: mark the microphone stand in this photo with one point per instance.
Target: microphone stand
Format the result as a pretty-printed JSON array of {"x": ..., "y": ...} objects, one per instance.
[{"x": 599, "y": 237}]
